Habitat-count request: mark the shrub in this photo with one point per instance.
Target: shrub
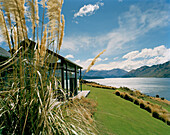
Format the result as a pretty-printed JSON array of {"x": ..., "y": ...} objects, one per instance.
[
  {"x": 128, "y": 97},
  {"x": 148, "y": 102},
  {"x": 142, "y": 104},
  {"x": 122, "y": 94},
  {"x": 137, "y": 93},
  {"x": 162, "y": 98},
  {"x": 157, "y": 106},
  {"x": 164, "y": 111},
  {"x": 117, "y": 92},
  {"x": 168, "y": 122},
  {"x": 126, "y": 89},
  {"x": 155, "y": 113},
  {"x": 136, "y": 101},
  {"x": 164, "y": 117},
  {"x": 157, "y": 96},
  {"x": 131, "y": 93},
  {"x": 89, "y": 104},
  {"x": 148, "y": 108}
]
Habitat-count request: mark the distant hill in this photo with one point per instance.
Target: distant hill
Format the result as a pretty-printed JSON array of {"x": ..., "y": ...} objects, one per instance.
[
  {"x": 161, "y": 70},
  {"x": 99, "y": 74}
]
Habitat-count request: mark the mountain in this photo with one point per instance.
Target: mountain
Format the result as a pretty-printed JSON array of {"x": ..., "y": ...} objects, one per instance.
[
  {"x": 161, "y": 70},
  {"x": 98, "y": 74}
]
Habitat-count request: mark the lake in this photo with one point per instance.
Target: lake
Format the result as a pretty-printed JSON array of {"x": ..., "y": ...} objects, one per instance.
[{"x": 148, "y": 86}]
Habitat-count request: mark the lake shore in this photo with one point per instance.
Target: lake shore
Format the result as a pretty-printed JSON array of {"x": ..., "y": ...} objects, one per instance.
[
  {"x": 148, "y": 86},
  {"x": 98, "y": 85}
]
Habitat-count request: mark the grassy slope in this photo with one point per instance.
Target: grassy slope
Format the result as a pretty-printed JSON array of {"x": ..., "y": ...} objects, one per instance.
[
  {"x": 118, "y": 116},
  {"x": 164, "y": 105}
]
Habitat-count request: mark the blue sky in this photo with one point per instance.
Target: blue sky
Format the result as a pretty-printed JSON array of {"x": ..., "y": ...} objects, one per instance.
[{"x": 134, "y": 32}]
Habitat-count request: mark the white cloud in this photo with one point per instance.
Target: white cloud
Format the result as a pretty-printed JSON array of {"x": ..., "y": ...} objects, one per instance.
[
  {"x": 76, "y": 22},
  {"x": 1, "y": 38},
  {"x": 69, "y": 44},
  {"x": 87, "y": 62},
  {"x": 148, "y": 53},
  {"x": 88, "y": 9},
  {"x": 134, "y": 24},
  {"x": 105, "y": 59},
  {"x": 77, "y": 61},
  {"x": 75, "y": 43},
  {"x": 69, "y": 56},
  {"x": 131, "y": 55},
  {"x": 157, "y": 55},
  {"x": 115, "y": 58}
]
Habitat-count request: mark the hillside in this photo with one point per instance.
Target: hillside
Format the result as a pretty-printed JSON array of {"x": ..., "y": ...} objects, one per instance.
[
  {"x": 104, "y": 73},
  {"x": 120, "y": 117},
  {"x": 161, "y": 70}
]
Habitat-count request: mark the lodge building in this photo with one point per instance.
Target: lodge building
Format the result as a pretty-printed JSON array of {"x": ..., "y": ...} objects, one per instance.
[{"x": 67, "y": 71}]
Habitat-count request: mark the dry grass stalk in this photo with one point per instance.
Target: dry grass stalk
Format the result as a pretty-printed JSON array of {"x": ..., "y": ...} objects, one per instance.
[
  {"x": 54, "y": 11},
  {"x": 4, "y": 29},
  {"x": 15, "y": 39},
  {"x": 62, "y": 33},
  {"x": 32, "y": 15},
  {"x": 43, "y": 46},
  {"x": 94, "y": 60},
  {"x": 36, "y": 9},
  {"x": 6, "y": 8},
  {"x": 26, "y": 103}
]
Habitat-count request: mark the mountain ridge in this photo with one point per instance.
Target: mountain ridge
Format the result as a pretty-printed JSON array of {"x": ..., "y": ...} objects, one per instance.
[
  {"x": 159, "y": 70},
  {"x": 104, "y": 73}
]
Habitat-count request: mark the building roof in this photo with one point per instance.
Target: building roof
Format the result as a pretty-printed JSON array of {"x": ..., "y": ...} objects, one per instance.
[
  {"x": 6, "y": 54},
  {"x": 63, "y": 58}
]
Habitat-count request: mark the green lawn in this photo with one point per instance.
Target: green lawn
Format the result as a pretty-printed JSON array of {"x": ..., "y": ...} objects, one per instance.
[{"x": 118, "y": 116}]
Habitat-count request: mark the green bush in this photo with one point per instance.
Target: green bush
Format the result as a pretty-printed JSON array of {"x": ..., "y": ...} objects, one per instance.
[
  {"x": 162, "y": 98},
  {"x": 168, "y": 122},
  {"x": 155, "y": 114},
  {"x": 148, "y": 108},
  {"x": 157, "y": 96},
  {"x": 117, "y": 93},
  {"x": 122, "y": 95},
  {"x": 142, "y": 105},
  {"x": 136, "y": 101},
  {"x": 128, "y": 97}
]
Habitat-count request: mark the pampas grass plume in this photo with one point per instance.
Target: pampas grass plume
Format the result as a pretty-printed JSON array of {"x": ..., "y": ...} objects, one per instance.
[
  {"x": 94, "y": 60},
  {"x": 36, "y": 9},
  {"x": 4, "y": 29},
  {"x": 43, "y": 46},
  {"x": 62, "y": 32},
  {"x": 15, "y": 39}
]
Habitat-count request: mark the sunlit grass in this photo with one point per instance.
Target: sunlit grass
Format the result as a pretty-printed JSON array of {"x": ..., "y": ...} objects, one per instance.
[{"x": 118, "y": 116}]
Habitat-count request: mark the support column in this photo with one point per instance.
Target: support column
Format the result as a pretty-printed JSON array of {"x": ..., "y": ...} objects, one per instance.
[
  {"x": 66, "y": 82},
  {"x": 62, "y": 73},
  {"x": 75, "y": 84},
  {"x": 80, "y": 81}
]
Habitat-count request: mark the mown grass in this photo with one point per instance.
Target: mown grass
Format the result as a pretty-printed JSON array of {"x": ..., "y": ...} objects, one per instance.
[
  {"x": 118, "y": 116},
  {"x": 147, "y": 98}
]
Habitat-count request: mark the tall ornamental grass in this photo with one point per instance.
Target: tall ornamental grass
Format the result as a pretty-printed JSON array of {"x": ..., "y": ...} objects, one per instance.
[{"x": 28, "y": 82}]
